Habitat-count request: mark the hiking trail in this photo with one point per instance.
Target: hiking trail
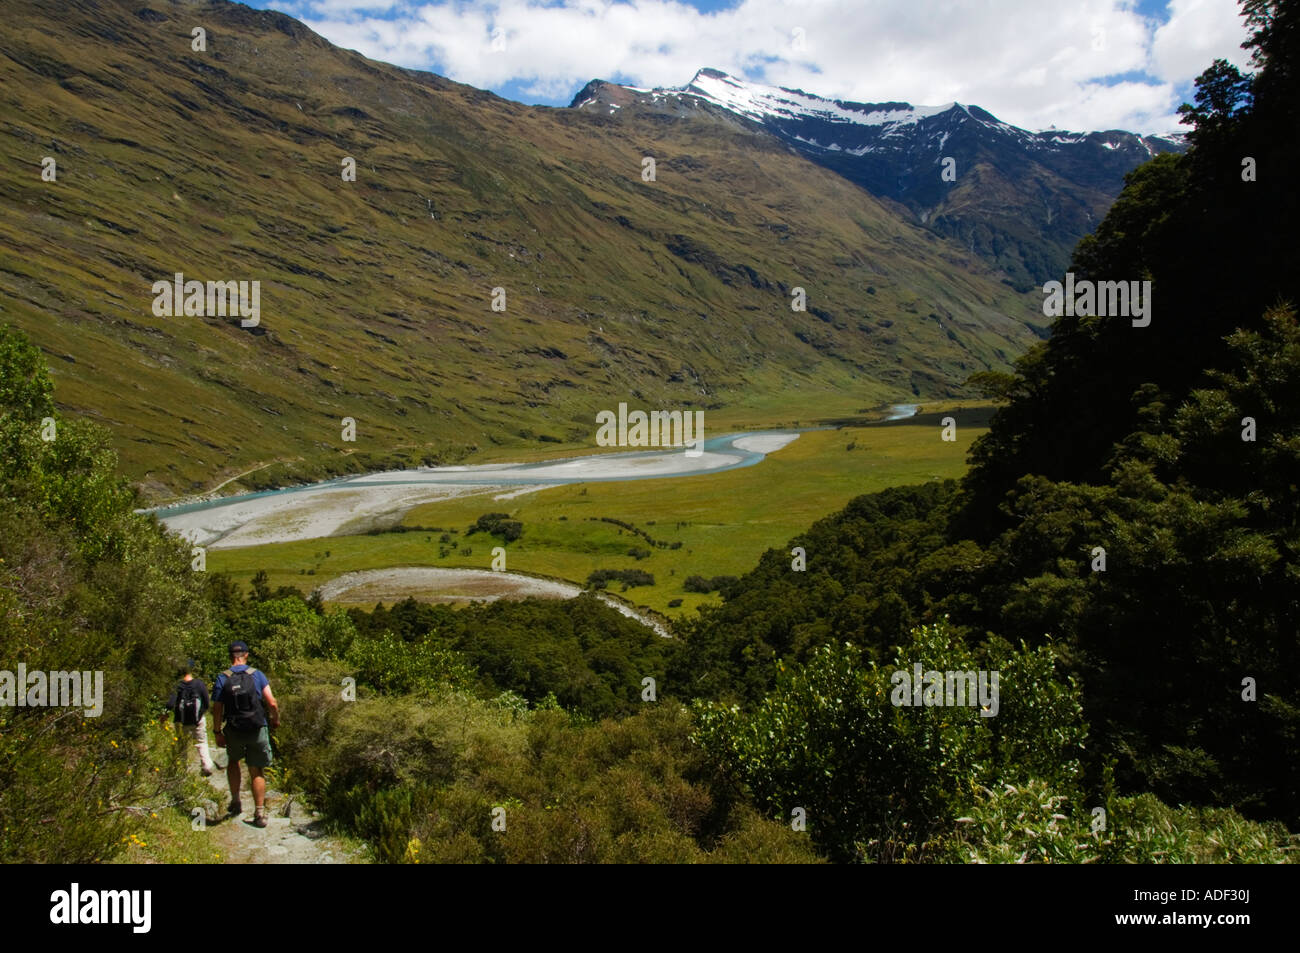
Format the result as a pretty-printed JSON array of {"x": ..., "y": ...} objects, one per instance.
[{"x": 293, "y": 834}]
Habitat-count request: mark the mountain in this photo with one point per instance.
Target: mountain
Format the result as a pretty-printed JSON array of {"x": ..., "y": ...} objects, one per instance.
[
  {"x": 226, "y": 164},
  {"x": 1020, "y": 199}
]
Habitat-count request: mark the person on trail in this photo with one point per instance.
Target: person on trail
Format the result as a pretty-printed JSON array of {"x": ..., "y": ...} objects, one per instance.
[
  {"x": 189, "y": 703},
  {"x": 242, "y": 696}
]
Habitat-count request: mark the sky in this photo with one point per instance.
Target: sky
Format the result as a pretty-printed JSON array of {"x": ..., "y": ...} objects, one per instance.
[{"x": 1078, "y": 65}]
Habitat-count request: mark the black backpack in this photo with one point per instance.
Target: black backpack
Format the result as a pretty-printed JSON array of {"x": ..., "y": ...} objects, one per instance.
[
  {"x": 189, "y": 702},
  {"x": 242, "y": 701}
]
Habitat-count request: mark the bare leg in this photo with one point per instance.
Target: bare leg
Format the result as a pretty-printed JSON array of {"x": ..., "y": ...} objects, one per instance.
[
  {"x": 259, "y": 785},
  {"x": 232, "y": 777}
]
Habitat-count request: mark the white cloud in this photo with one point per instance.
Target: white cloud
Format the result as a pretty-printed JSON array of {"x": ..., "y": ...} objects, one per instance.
[
  {"x": 1028, "y": 62},
  {"x": 1198, "y": 32}
]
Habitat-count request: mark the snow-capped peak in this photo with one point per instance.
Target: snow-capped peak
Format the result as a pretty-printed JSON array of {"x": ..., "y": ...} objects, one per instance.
[{"x": 760, "y": 102}]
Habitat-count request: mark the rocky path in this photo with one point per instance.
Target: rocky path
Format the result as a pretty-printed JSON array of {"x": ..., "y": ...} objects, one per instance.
[{"x": 292, "y": 836}]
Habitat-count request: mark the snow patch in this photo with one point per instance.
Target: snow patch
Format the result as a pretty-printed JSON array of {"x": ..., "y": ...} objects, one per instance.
[{"x": 759, "y": 102}]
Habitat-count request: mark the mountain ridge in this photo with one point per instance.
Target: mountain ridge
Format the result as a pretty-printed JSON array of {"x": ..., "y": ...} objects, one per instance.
[{"x": 1020, "y": 199}]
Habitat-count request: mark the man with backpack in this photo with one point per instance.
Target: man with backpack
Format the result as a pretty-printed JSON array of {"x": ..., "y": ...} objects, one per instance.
[
  {"x": 242, "y": 696},
  {"x": 189, "y": 703}
]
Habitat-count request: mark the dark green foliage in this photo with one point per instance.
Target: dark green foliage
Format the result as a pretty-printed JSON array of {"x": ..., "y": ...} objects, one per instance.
[
  {"x": 587, "y": 656},
  {"x": 995, "y": 385},
  {"x": 281, "y": 629},
  {"x": 1146, "y": 424},
  {"x": 1220, "y": 252},
  {"x": 88, "y": 585},
  {"x": 390, "y": 665},
  {"x": 878, "y": 781},
  {"x": 632, "y": 528},
  {"x": 600, "y": 578},
  {"x": 702, "y": 584},
  {"x": 498, "y": 524}
]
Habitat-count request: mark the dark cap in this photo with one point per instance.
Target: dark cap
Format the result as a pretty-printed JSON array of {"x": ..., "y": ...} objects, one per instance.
[{"x": 237, "y": 647}]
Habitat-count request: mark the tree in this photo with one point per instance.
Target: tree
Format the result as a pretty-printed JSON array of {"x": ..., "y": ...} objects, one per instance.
[{"x": 1222, "y": 93}]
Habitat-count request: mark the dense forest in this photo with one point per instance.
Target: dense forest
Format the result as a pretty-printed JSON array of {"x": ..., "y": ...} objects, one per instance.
[{"x": 1124, "y": 551}]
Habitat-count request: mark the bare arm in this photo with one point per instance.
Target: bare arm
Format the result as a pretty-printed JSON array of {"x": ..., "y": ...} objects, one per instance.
[
  {"x": 217, "y": 712},
  {"x": 272, "y": 708}
]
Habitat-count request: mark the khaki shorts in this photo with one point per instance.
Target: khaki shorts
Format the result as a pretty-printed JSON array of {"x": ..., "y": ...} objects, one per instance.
[{"x": 251, "y": 747}]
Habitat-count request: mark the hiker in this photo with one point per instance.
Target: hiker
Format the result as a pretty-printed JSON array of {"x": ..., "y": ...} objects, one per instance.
[
  {"x": 242, "y": 695},
  {"x": 189, "y": 703}
]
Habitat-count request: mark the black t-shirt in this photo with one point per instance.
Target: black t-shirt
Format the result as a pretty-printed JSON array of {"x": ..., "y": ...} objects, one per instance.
[{"x": 196, "y": 683}]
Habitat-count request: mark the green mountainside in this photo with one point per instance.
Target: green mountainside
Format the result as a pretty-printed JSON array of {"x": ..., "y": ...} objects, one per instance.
[{"x": 376, "y": 295}]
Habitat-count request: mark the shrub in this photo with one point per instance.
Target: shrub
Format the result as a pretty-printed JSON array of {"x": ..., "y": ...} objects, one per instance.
[
  {"x": 498, "y": 524},
  {"x": 882, "y": 780},
  {"x": 629, "y": 577},
  {"x": 420, "y": 781},
  {"x": 1029, "y": 824},
  {"x": 391, "y": 665}
]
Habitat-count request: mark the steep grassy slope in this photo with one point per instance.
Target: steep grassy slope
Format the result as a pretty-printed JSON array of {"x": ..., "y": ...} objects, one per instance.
[{"x": 376, "y": 294}]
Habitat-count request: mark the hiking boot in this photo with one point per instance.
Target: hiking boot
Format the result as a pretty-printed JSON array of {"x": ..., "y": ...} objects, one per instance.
[
  {"x": 236, "y": 809},
  {"x": 259, "y": 817},
  {"x": 207, "y": 772}
]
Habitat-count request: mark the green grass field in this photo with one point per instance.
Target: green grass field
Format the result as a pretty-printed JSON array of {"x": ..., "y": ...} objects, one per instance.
[{"x": 724, "y": 521}]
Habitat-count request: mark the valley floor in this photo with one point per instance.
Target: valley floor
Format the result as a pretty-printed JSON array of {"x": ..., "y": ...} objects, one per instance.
[
  {"x": 712, "y": 524},
  {"x": 344, "y": 507}
]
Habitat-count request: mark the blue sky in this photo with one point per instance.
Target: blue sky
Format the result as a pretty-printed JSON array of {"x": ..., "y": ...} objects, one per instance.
[{"x": 1072, "y": 64}]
